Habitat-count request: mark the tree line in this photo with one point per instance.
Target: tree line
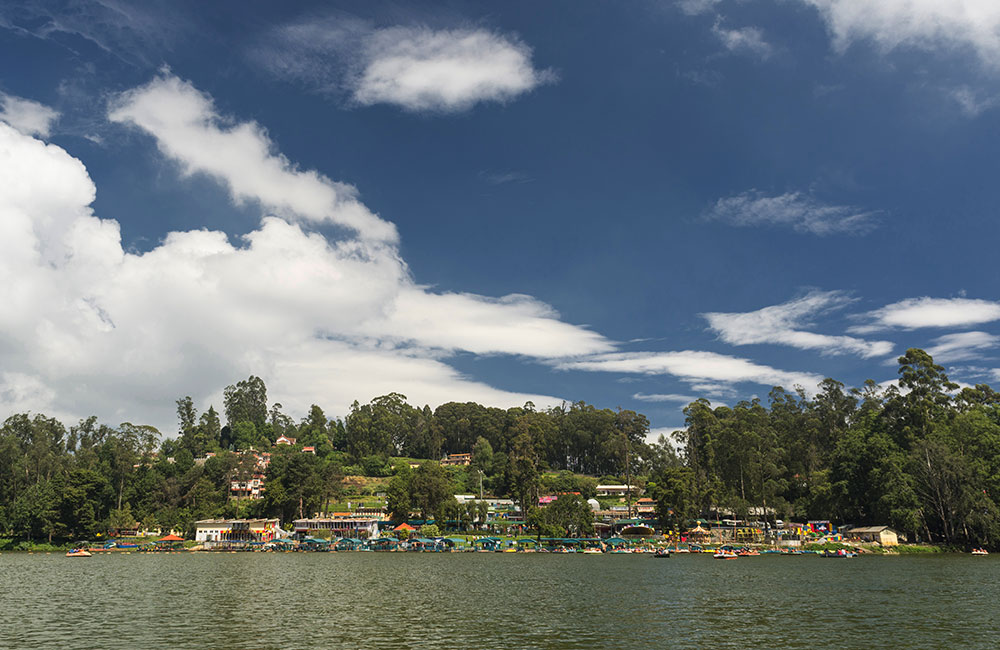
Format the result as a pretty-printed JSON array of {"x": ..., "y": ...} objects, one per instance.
[
  {"x": 922, "y": 456},
  {"x": 89, "y": 479}
]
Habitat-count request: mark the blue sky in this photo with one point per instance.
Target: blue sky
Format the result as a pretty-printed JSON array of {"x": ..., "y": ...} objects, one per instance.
[{"x": 632, "y": 205}]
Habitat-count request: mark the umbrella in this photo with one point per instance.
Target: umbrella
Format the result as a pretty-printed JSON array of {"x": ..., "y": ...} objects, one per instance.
[{"x": 171, "y": 538}]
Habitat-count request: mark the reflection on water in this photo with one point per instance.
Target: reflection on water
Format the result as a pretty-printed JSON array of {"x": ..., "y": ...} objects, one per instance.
[{"x": 475, "y": 600}]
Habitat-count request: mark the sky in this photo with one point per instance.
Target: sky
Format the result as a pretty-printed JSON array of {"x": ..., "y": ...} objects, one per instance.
[{"x": 629, "y": 204}]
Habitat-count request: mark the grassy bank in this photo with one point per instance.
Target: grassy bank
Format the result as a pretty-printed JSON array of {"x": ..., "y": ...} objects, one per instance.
[{"x": 7, "y": 544}]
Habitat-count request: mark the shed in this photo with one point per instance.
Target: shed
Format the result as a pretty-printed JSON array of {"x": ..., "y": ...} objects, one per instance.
[{"x": 882, "y": 534}]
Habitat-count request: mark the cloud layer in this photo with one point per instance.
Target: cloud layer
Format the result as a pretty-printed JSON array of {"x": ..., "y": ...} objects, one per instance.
[
  {"x": 962, "y": 346},
  {"x": 782, "y": 325},
  {"x": 794, "y": 209},
  {"x": 914, "y": 313},
  {"x": 704, "y": 371},
  {"x": 88, "y": 327}
]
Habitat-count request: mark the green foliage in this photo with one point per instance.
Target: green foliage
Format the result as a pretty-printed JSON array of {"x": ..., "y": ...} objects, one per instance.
[{"x": 925, "y": 460}]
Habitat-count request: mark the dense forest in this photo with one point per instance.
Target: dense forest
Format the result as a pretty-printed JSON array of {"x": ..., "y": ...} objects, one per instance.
[{"x": 923, "y": 456}]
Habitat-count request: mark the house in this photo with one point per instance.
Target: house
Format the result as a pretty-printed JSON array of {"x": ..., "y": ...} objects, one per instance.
[
  {"x": 309, "y": 450},
  {"x": 645, "y": 506},
  {"x": 457, "y": 460},
  {"x": 284, "y": 440},
  {"x": 249, "y": 484},
  {"x": 235, "y": 530},
  {"x": 882, "y": 534}
]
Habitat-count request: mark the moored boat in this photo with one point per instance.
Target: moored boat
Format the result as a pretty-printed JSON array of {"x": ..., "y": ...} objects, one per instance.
[
  {"x": 78, "y": 552},
  {"x": 980, "y": 551},
  {"x": 662, "y": 552}
]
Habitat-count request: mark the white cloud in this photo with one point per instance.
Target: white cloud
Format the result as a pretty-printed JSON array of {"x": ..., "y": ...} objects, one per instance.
[
  {"x": 90, "y": 328},
  {"x": 27, "y": 116},
  {"x": 801, "y": 212},
  {"x": 695, "y": 7},
  {"x": 240, "y": 155},
  {"x": 668, "y": 397},
  {"x": 972, "y": 102},
  {"x": 415, "y": 68},
  {"x": 961, "y": 346},
  {"x": 451, "y": 70},
  {"x": 469, "y": 322},
  {"x": 694, "y": 367},
  {"x": 914, "y": 313},
  {"x": 780, "y": 325},
  {"x": 972, "y": 25},
  {"x": 745, "y": 39},
  {"x": 653, "y": 436}
]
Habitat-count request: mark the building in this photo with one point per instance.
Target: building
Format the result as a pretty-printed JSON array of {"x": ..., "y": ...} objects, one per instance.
[
  {"x": 249, "y": 484},
  {"x": 340, "y": 525},
  {"x": 881, "y": 534},
  {"x": 252, "y": 488},
  {"x": 457, "y": 460},
  {"x": 617, "y": 490},
  {"x": 284, "y": 440},
  {"x": 235, "y": 530},
  {"x": 645, "y": 506}
]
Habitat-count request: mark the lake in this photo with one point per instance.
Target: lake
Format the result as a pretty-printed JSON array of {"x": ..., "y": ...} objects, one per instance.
[{"x": 489, "y": 600}]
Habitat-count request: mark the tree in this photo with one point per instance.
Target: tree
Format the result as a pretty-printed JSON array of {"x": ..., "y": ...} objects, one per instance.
[
  {"x": 568, "y": 516},
  {"x": 246, "y": 402},
  {"x": 398, "y": 501},
  {"x": 522, "y": 470},
  {"x": 430, "y": 489}
]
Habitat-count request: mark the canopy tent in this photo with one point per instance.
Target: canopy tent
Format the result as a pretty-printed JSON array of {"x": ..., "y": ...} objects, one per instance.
[
  {"x": 405, "y": 527},
  {"x": 171, "y": 538},
  {"x": 637, "y": 530}
]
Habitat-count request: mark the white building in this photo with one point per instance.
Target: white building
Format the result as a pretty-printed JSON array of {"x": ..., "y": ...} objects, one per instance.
[
  {"x": 235, "y": 530},
  {"x": 617, "y": 490}
]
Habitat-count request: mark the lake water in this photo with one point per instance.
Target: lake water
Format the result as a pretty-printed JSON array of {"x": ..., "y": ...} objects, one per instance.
[{"x": 479, "y": 600}]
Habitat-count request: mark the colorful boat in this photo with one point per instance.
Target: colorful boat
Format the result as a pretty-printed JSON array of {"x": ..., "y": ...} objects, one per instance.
[
  {"x": 79, "y": 552},
  {"x": 980, "y": 551}
]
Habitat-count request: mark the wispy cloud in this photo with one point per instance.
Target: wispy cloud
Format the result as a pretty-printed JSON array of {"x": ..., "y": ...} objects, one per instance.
[
  {"x": 914, "y": 313},
  {"x": 962, "y": 346},
  {"x": 418, "y": 69},
  {"x": 695, "y": 367},
  {"x": 695, "y": 7},
  {"x": 27, "y": 116},
  {"x": 748, "y": 40},
  {"x": 782, "y": 325},
  {"x": 973, "y": 102},
  {"x": 668, "y": 397},
  {"x": 795, "y": 209},
  {"x": 503, "y": 178},
  {"x": 136, "y": 33}
]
